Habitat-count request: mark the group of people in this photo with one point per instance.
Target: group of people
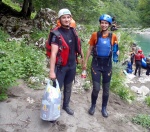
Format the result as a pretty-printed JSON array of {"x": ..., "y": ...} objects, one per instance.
[
  {"x": 137, "y": 58},
  {"x": 101, "y": 66}
]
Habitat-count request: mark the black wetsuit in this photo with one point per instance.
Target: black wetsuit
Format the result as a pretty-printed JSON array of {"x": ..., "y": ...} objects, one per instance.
[{"x": 66, "y": 74}]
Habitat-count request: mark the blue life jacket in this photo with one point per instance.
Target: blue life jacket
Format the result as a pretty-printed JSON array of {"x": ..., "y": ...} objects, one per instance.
[
  {"x": 115, "y": 49},
  {"x": 103, "y": 47},
  {"x": 129, "y": 67}
]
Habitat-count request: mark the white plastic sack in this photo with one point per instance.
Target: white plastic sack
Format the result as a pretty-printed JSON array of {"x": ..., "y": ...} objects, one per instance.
[{"x": 50, "y": 109}]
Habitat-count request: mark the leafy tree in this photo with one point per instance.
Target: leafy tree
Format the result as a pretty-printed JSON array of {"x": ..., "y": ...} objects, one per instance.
[
  {"x": 88, "y": 11},
  {"x": 144, "y": 12},
  {"x": 124, "y": 15}
]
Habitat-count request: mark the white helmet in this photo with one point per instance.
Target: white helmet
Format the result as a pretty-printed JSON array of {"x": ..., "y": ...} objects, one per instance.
[{"x": 63, "y": 12}]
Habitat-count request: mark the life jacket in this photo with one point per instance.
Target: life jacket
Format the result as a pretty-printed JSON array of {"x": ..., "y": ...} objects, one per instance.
[
  {"x": 103, "y": 47},
  {"x": 115, "y": 55},
  {"x": 139, "y": 56},
  {"x": 63, "y": 50}
]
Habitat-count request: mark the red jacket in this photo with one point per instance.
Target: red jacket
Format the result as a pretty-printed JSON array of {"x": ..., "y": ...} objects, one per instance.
[{"x": 139, "y": 56}]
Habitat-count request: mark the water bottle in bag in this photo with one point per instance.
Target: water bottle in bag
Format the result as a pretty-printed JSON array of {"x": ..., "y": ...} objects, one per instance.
[
  {"x": 83, "y": 74},
  {"x": 50, "y": 109}
]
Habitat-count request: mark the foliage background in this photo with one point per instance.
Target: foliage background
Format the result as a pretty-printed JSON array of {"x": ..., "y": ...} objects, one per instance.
[
  {"x": 88, "y": 11},
  {"x": 24, "y": 63},
  {"x": 128, "y": 13}
]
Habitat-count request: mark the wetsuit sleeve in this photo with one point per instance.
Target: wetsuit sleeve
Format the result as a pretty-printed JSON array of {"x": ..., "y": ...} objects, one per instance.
[
  {"x": 54, "y": 40},
  {"x": 93, "y": 39},
  {"x": 114, "y": 38}
]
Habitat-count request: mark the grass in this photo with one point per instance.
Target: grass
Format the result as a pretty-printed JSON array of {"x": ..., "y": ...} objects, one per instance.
[
  {"x": 142, "y": 119},
  {"x": 118, "y": 83},
  {"x": 147, "y": 100}
]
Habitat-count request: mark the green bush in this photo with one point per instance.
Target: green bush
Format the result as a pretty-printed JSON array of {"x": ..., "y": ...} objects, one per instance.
[
  {"x": 18, "y": 60},
  {"x": 37, "y": 34}
]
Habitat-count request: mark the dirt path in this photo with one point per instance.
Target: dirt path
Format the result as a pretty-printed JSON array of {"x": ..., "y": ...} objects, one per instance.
[{"x": 22, "y": 114}]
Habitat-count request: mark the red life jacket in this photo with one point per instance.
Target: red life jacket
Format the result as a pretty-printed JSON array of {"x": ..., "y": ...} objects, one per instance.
[
  {"x": 139, "y": 56},
  {"x": 63, "y": 50}
]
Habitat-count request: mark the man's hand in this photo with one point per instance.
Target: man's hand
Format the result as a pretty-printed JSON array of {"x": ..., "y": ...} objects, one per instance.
[{"x": 52, "y": 75}]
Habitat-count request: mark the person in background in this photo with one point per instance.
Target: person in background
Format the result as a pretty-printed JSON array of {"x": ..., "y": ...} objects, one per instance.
[
  {"x": 132, "y": 54},
  {"x": 65, "y": 74},
  {"x": 138, "y": 62},
  {"x": 101, "y": 67},
  {"x": 114, "y": 24},
  {"x": 148, "y": 65}
]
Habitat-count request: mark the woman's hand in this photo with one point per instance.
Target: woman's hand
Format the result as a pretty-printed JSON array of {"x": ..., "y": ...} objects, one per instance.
[{"x": 118, "y": 52}]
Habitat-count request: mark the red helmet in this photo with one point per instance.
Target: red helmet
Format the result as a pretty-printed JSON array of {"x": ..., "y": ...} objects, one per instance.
[{"x": 139, "y": 51}]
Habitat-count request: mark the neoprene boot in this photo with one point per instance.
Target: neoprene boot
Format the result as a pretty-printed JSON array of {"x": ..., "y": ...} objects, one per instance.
[
  {"x": 92, "y": 109},
  {"x": 104, "y": 111},
  {"x": 94, "y": 97},
  {"x": 68, "y": 110},
  {"x": 105, "y": 97},
  {"x": 66, "y": 100}
]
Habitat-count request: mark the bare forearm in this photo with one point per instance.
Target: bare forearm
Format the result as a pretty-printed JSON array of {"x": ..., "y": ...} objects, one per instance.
[
  {"x": 52, "y": 63},
  {"x": 54, "y": 50},
  {"x": 88, "y": 55}
]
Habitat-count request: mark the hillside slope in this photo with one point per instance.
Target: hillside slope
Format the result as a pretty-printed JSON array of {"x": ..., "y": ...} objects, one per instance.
[{"x": 18, "y": 114}]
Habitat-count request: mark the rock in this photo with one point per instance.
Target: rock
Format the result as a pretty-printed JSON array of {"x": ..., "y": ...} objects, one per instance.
[
  {"x": 134, "y": 89},
  {"x": 143, "y": 90},
  {"x": 17, "y": 27}
]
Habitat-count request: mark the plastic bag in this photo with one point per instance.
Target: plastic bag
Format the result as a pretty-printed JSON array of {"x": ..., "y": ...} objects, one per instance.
[{"x": 51, "y": 100}]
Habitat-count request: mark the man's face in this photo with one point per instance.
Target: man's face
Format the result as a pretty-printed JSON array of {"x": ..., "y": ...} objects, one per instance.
[
  {"x": 104, "y": 25},
  {"x": 65, "y": 20}
]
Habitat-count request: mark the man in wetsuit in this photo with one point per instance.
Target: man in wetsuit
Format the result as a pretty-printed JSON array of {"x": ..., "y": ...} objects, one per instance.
[{"x": 65, "y": 74}]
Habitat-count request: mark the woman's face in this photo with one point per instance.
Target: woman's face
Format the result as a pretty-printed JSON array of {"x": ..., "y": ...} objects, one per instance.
[
  {"x": 65, "y": 20},
  {"x": 104, "y": 25}
]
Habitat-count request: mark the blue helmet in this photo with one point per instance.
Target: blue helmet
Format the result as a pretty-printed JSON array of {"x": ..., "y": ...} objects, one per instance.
[{"x": 106, "y": 17}]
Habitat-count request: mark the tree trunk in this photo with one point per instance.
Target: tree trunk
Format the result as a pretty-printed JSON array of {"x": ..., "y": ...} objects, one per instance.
[
  {"x": 30, "y": 9},
  {"x": 27, "y": 8}
]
